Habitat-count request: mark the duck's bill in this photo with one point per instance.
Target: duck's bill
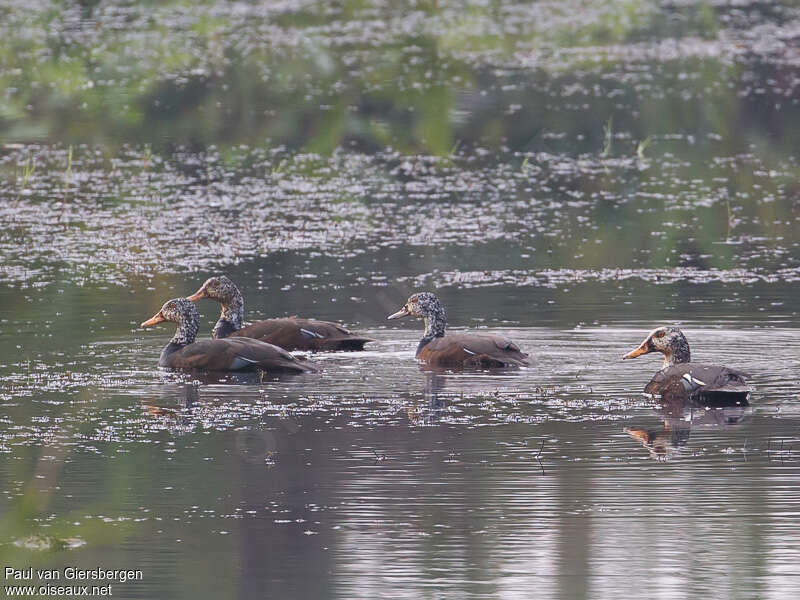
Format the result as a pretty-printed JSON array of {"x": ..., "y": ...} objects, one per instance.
[
  {"x": 643, "y": 349},
  {"x": 403, "y": 312},
  {"x": 155, "y": 319},
  {"x": 198, "y": 295}
]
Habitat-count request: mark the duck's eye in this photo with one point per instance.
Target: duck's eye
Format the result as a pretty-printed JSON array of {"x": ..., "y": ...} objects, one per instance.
[
  {"x": 414, "y": 300},
  {"x": 660, "y": 334}
]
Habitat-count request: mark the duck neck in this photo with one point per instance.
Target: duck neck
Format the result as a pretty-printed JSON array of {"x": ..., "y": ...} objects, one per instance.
[
  {"x": 185, "y": 335},
  {"x": 223, "y": 329},
  {"x": 435, "y": 323},
  {"x": 680, "y": 354},
  {"x": 186, "y": 332},
  {"x": 231, "y": 318}
]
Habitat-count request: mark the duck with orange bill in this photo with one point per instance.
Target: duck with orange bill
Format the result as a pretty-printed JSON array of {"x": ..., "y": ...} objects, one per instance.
[
  {"x": 681, "y": 377},
  {"x": 236, "y": 354}
]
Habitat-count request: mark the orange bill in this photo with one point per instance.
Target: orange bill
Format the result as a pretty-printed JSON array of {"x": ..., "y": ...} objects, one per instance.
[
  {"x": 156, "y": 318},
  {"x": 644, "y": 348},
  {"x": 403, "y": 312},
  {"x": 198, "y": 295}
]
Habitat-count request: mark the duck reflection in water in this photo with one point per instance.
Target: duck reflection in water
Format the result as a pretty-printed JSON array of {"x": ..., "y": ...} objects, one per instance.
[
  {"x": 179, "y": 419},
  {"x": 429, "y": 410},
  {"x": 681, "y": 414}
]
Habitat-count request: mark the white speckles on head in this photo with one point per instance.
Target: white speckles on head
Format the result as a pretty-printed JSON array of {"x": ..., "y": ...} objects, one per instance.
[
  {"x": 184, "y": 313},
  {"x": 671, "y": 342},
  {"x": 224, "y": 291},
  {"x": 427, "y": 306}
]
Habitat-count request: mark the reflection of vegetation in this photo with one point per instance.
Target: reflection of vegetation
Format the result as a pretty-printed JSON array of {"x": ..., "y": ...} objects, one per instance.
[
  {"x": 204, "y": 77},
  {"x": 325, "y": 76},
  {"x": 79, "y": 500}
]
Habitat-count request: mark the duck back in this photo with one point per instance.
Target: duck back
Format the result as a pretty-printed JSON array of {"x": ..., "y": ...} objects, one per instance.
[
  {"x": 693, "y": 379},
  {"x": 472, "y": 351},
  {"x": 293, "y": 333},
  {"x": 234, "y": 354}
]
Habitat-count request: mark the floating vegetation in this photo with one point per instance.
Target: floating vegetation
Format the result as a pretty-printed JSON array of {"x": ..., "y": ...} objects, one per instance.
[
  {"x": 45, "y": 543},
  {"x": 199, "y": 212}
]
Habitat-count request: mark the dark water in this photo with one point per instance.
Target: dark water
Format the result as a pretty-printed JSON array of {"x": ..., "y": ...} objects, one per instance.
[{"x": 570, "y": 175}]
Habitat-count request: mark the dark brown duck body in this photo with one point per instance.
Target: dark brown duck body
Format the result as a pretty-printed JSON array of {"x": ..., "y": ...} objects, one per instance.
[
  {"x": 290, "y": 333},
  {"x": 680, "y": 377},
  {"x": 695, "y": 379},
  {"x": 233, "y": 354},
  {"x": 238, "y": 354},
  {"x": 460, "y": 350},
  {"x": 294, "y": 333},
  {"x": 472, "y": 351}
]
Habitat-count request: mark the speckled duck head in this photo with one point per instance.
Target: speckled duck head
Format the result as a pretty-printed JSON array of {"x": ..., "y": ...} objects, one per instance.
[
  {"x": 182, "y": 312},
  {"x": 425, "y": 305},
  {"x": 224, "y": 291},
  {"x": 670, "y": 341}
]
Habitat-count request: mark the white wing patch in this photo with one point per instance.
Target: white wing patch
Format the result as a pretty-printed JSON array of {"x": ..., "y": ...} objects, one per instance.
[
  {"x": 468, "y": 351},
  {"x": 311, "y": 333},
  {"x": 688, "y": 377}
]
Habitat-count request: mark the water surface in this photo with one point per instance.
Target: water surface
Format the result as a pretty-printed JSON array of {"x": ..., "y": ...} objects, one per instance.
[{"x": 567, "y": 174}]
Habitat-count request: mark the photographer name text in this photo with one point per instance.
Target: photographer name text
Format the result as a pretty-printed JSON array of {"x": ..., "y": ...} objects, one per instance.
[{"x": 73, "y": 576}]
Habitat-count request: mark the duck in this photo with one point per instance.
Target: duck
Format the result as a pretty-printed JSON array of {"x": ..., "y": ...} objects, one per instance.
[
  {"x": 461, "y": 349},
  {"x": 290, "y": 333},
  {"x": 237, "y": 354},
  {"x": 679, "y": 377}
]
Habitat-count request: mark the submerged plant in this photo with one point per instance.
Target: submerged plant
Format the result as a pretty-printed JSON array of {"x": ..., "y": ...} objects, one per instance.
[
  {"x": 68, "y": 171},
  {"x": 608, "y": 134}
]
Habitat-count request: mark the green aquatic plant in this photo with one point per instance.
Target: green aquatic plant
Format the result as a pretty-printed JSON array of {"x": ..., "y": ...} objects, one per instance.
[
  {"x": 278, "y": 169},
  {"x": 642, "y": 146},
  {"x": 146, "y": 156},
  {"x": 27, "y": 173},
  {"x": 67, "y": 172},
  {"x": 454, "y": 149}
]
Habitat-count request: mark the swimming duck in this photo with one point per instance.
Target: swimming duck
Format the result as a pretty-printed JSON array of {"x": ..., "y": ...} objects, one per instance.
[
  {"x": 183, "y": 352},
  {"x": 680, "y": 377},
  {"x": 460, "y": 349},
  {"x": 290, "y": 333}
]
